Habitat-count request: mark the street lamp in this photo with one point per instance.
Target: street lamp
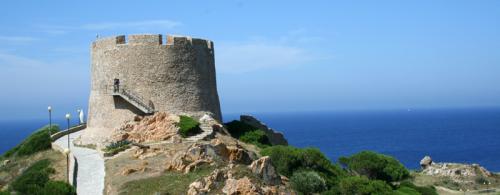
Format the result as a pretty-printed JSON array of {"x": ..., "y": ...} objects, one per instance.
[
  {"x": 68, "y": 116},
  {"x": 66, "y": 152},
  {"x": 50, "y": 118}
]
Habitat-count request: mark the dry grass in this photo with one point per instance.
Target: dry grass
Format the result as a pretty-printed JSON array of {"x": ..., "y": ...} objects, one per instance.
[
  {"x": 446, "y": 185},
  {"x": 18, "y": 164}
]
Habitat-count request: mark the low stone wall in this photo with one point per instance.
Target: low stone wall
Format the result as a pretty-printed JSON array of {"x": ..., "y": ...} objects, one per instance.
[
  {"x": 60, "y": 134},
  {"x": 73, "y": 164}
]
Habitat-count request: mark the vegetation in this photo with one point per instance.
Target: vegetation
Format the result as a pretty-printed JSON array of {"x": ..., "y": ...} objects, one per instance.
[
  {"x": 287, "y": 160},
  {"x": 116, "y": 147},
  {"x": 38, "y": 141},
  {"x": 36, "y": 180},
  {"x": 188, "y": 126},
  {"x": 307, "y": 182},
  {"x": 363, "y": 173},
  {"x": 248, "y": 133},
  {"x": 169, "y": 183},
  {"x": 429, "y": 190},
  {"x": 375, "y": 166},
  {"x": 361, "y": 186}
]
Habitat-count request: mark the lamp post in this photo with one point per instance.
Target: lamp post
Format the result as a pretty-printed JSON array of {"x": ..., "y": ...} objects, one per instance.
[
  {"x": 50, "y": 118},
  {"x": 68, "y": 116}
]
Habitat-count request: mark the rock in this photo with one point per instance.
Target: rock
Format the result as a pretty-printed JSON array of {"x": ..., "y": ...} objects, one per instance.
[
  {"x": 276, "y": 138},
  {"x": 238, "y": 155},
  {"x": 426, "y": 162},
  {"x": 176, "y": 139},
  {"x": 128, "y": 171},
  {"x": 6, "y": 162},
  {"x": 456, "y": 171},
  {"x": 206, "y": 184},
  {"x": 241, "y": 186},
  {"x": 265, "y": 170},
  {"x": 158, "y": 127}
]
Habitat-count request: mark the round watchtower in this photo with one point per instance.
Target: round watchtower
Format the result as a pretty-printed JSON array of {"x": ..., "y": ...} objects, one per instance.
[{"x": 177, "y": 76}]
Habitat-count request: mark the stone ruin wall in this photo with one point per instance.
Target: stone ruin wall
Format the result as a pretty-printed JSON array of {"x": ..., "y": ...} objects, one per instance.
[{"x": 177, "y": 76}]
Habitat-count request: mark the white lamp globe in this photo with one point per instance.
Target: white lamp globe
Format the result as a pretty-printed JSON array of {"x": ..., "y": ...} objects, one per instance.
[
  {"x": 49, "y": 108},
  {"x": 66, "y": 151},
  {"x": 68, "y": 116}
]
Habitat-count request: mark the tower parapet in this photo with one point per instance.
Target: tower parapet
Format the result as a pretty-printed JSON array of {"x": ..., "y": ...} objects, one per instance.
[{"x": 175, "y": 75}]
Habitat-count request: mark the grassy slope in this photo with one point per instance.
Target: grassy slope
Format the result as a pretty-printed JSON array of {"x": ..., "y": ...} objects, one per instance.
[{"x": 169, "y": 183}]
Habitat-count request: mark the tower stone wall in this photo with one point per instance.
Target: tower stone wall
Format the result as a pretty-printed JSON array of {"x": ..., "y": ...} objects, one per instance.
[{"x": 176, "y": 76}]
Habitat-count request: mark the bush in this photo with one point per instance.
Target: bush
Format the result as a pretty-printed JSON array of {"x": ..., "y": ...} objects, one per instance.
[
  {"x": 428, "y": 190},
  {"x": 247, "y": 133},
  {"x": 188, "y": 126},
  {"x": 307, "y": 182},
  {"x": 406, "y": 191},
  {"x": 58, "y": 188},
  {"x": 33, "y": 179},
  {"x": 375, "y": 166},
  {"x": 116, "y": 147},
  {"x": 38, "y": 141},
  {"x": 36, "y": 180},
  {"x": 257, "y": 137},
  {"x": 4, "y": 193},
  {"x": 287, "y": 160},
  {"x": 361, "y": 186}
]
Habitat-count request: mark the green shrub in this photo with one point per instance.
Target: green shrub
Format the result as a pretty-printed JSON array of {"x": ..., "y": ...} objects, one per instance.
[
  {"x": 375, "y": 166},
  {"x": 247, "y": 133},
  {"x": 188, "y": 126},
  {"x": 427, "y": 190},
  {"x": 406, "y": 191},
  {"x": 307, "y": 182},
  {"x": 361, "y": 186},
  {"x": 4, "y": 193},
  {"x": 288, "y": 160},
  {"x": 58, "y": 188},
  {"x": 38, "y": 141},
  {"x": 257, "y": 137},
  {"x": 36, "y": 180},
  {"x": 116, "y": 147},
  {"x": 33, "y": 179}
]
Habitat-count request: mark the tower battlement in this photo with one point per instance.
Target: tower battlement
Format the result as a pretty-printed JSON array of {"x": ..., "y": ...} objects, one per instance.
[
  {"x": 174, "y": 74},
  {"x": 151, "y": 40}
]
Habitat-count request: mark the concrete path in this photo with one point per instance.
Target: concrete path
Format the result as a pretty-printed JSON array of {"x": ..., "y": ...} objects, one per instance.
[{"x": 90, "y": 176}]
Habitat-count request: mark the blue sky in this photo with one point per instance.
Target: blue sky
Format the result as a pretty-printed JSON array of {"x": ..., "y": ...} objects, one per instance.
[{"x": 271, "y": 56}]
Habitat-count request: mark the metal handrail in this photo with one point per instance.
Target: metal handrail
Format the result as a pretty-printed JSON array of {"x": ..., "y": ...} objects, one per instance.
[{"x": 132, "y": 96}]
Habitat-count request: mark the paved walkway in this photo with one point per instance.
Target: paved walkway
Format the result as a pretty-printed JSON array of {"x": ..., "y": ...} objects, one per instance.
[{"x": 90, "y": 176}]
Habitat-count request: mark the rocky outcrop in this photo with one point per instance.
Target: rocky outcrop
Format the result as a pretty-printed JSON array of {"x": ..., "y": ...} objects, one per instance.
[
  {"x": 456, "y": 171},
  {"x": 276, "y": 138},
  {"x": 158, "y": 127},
  {"x": 265, "y": 170},
  {"x": 425, "y": 162},
  {"x": 203, "y": 153},
  {"x": 206, "y": 184},
  {"x": 241, "y": 186}
]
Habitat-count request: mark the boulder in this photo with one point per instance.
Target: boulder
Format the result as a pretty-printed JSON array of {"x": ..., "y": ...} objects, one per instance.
[
  {"x": 425, "y": 162},
  {"x": 6, "y": 162},
  {"x": 276, "y": 138},
  {"x": 241, "y": 186},
  {"x": 265, "y": 170},
  {"x": 204, "y": 185}
]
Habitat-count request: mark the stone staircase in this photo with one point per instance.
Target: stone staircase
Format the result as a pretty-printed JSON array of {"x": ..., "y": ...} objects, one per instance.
[
  {"x": 133, "y": 99},
  {"x": 207, "y": 131}
]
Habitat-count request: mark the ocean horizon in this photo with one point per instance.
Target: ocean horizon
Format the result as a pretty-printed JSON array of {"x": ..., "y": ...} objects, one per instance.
[{"x": 447, "y": 135}]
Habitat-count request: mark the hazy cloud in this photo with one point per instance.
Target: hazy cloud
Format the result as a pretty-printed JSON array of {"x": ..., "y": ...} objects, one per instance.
[
  {"x": 260, "y": 54},
  {"x": 9, "y": 60},
  {"x": 103, "y": 26},
  {"x": 162, "y": 24},
  {"x": 17, "y": 39}
]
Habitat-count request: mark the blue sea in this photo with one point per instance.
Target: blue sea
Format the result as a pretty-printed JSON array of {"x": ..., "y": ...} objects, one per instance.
[{"x": 447, "y": 135}]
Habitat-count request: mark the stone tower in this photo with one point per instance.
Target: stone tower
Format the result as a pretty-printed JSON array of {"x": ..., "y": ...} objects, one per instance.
[{"x": 176, "y": 75}]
